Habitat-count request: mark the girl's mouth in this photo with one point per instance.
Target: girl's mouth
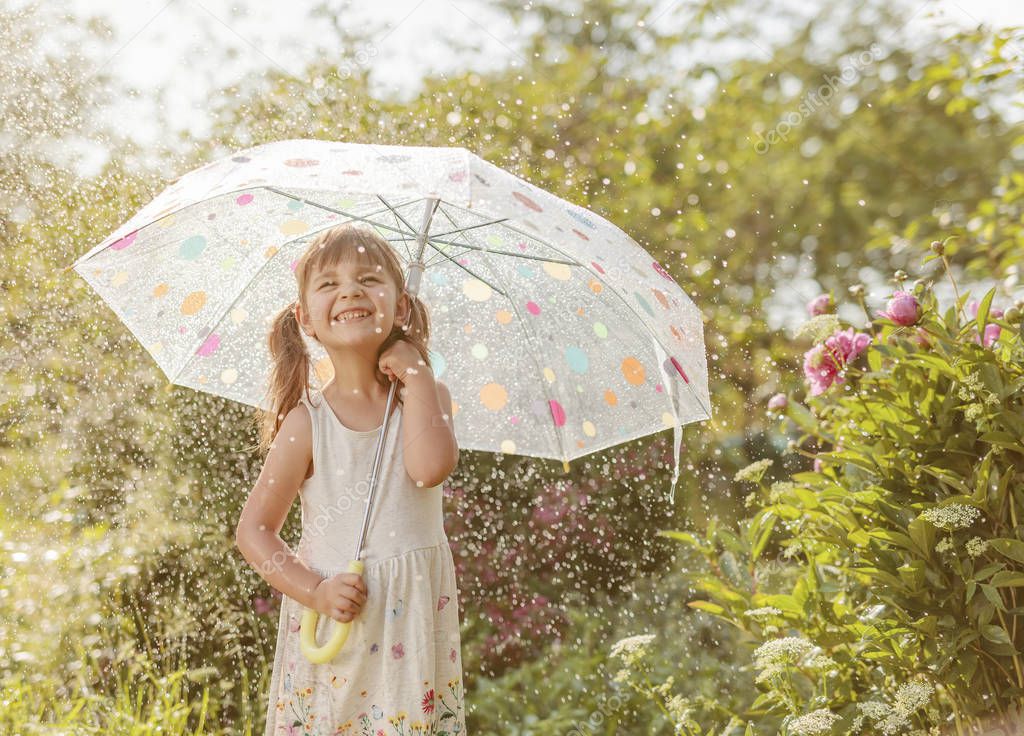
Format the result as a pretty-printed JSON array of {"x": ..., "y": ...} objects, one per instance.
[{"x": 348, "y": 319}]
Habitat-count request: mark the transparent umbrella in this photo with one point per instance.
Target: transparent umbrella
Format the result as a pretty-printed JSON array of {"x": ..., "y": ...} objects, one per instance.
[{"x": 555, "y": 332}]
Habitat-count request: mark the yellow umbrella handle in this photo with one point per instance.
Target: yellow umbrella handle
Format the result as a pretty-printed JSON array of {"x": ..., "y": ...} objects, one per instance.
[{"x": 307, "y": 632}]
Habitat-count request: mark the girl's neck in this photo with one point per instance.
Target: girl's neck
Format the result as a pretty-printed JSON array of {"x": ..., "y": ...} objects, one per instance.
[{"x": 355, "y": 377}]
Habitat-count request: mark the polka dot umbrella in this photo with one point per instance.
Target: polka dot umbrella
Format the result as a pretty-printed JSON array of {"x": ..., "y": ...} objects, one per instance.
[{"x": 556, "y": 333}]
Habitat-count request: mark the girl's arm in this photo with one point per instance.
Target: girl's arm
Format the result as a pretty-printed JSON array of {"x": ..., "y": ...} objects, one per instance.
[
  {"x": 258, "y": 532},
  {"x": 428, "y": 440}
]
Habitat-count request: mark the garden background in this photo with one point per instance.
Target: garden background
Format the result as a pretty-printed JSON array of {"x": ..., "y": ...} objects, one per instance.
[{"x": 844, "y": 553}]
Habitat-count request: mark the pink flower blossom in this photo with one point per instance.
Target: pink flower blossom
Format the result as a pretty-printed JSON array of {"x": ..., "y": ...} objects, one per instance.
[
  {"x": 821, "y": 304},
  {"x": 991, "y": 334},
  {"x": 778, "y": 401},
  {"x": 825, "y": 364},
  {"x": 261, "y": 605},
  {"x": 818, "y": 466},
  {"x": 902, "y": 309}
]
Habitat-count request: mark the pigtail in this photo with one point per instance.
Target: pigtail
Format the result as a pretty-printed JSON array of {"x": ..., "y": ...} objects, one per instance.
[{"x": 289, "y": 374}]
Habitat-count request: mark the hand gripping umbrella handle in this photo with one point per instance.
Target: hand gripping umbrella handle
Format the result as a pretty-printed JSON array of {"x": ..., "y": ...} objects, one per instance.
[{"x": 307, "y": 632}]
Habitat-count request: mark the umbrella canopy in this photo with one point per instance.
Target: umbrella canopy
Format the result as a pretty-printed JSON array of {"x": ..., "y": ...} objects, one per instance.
[{"x": 555, "y": 332}]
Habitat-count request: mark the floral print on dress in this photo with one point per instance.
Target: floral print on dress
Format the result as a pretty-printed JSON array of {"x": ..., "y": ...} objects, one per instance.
[{"x": 438, "y": 714}]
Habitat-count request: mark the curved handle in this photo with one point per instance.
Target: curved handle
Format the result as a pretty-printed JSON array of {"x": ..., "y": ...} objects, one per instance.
[{"x": 307, "y": 631}]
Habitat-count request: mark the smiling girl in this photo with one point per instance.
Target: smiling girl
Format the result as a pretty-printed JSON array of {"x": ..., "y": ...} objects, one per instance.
[{"x": 400, "y": 670}]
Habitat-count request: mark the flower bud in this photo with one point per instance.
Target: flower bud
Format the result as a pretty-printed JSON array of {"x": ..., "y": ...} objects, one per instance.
[
  {"x": 778, "y": 401},
  {"x": 937, "y": 247},
  {"x": 903, "y": 309},
  {"x": 821, "y": 304},
  {"x": 856, "y": 289},
  {"x": 900, "y": 276}
]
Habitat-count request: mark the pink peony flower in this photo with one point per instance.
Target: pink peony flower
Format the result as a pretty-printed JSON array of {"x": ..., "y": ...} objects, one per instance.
[
  {"x": 821, "y": 304},
  {"x": 902, "y": 309},
  {"x": 778, "y": 401},
  {"x": 991, "y": 334},
  {"x": 261, "y": 605},
  {"x": 824, "y": 364}
]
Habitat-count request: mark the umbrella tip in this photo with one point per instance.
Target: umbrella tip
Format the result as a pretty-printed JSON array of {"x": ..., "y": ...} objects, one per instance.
[{"x": 565, "y": 466}]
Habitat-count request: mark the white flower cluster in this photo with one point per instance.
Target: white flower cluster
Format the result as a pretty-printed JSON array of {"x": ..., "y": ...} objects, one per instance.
[
  {"x": 974, "y": 412},
  {"x": 817, "y": 721},
  {"x": 976, "y": 547},
  {"x": 953, "y": 516},
  {"x": 773, "y": 656},
  {"x": 822, "y": 662},
  {"x": 765, "y": 611},
  {"x": 779, "y": 488},
  {"x": 633, "y": 648},
  {"x": 818, "y": 328},
  {"x": 944, "y": 545},
  {"x": 970, "y": 386},
  {"x": 754, "y": 471},
  {"x": 679, "y": 708},
  {"x": 890, "y": 719}
]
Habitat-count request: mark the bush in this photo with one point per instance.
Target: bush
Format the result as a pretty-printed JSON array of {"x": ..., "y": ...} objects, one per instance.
[{"x": 904, "y": 541}]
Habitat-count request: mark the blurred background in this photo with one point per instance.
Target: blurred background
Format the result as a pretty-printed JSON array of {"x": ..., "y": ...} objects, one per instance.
[{"x": 765, "y": 153}]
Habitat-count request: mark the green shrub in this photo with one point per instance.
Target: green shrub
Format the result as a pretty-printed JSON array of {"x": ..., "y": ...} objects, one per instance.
[{"x": 904, "y": 543}]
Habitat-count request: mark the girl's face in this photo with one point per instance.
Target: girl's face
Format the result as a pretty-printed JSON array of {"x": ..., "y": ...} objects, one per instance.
[{"x": 351, "y": 303}]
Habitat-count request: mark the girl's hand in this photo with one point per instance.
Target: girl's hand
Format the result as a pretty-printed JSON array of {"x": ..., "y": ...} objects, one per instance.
[
  {"x": 401, "y": 360},
  {"x": 340, "y": 596}
]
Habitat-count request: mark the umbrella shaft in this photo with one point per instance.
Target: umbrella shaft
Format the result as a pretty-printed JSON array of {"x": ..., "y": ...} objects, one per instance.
[{"x": 412, "y": 285}]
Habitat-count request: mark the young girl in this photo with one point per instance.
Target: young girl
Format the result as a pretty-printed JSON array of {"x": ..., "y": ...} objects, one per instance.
[{"x": 400, "y": 670}]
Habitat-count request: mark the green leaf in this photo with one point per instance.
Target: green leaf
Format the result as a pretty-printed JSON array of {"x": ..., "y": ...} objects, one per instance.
[
  {"x": 944, "y": 475},
  {"x": 896, "y": 538},
  {"x": 912, "y": 574},
  {"x": 1003, "y": 439},
  {"x": 923, "y": 534},
  {"x": 1007, "y": 578},
  {"x": 996, "y": 634},
  {"x": 785, "y": 603},
  {"x": 707, "y": 606},
  {"x": 983, "y": 308},
  {"x": 992, "y": 595},
  {"x": 766, "y": 520},
  {"x": 1012, "y": 548},
  {"x": 686, "y": 537},
  {"x": 803, "y": 417}
]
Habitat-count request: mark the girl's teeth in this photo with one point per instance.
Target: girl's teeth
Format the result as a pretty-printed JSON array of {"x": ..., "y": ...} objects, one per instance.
[{"x": 349, "y": 319}]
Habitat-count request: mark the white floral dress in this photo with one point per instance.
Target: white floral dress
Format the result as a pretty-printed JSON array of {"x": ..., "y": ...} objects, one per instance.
[{"x": 400, "y": 671}]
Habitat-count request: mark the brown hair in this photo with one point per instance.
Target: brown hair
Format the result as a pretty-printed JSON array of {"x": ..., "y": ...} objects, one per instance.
[{"x": 289, "y": 376}]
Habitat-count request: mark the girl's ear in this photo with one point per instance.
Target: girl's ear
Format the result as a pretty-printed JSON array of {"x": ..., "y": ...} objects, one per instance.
[
  {"x": 404, "y": 308},
  {"x": 297, "y": 309}
]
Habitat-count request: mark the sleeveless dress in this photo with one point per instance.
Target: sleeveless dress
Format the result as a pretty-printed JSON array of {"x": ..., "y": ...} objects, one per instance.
[{"x": 400, "y": 670}]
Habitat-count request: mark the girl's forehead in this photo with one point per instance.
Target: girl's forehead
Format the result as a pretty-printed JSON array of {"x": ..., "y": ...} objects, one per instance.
[{"x": 346, "y": 263}]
